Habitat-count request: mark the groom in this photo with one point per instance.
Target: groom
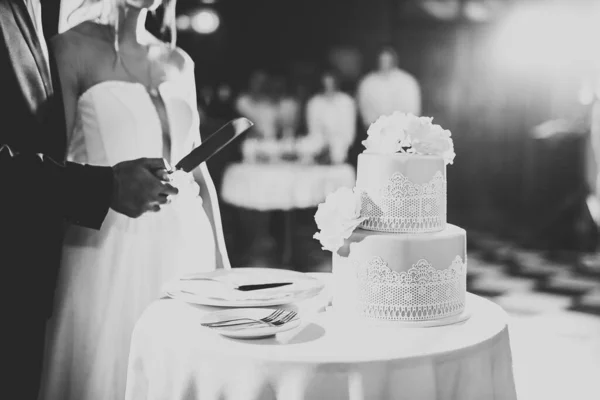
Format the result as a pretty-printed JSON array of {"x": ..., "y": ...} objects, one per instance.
[{"x": 39, "y": 191}]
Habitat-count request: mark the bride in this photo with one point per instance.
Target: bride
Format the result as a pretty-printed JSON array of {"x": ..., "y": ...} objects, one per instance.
[{"x": 127, "y": 95}]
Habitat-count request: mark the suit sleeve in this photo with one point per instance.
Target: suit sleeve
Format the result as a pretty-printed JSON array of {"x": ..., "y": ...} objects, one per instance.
[{"x": 80, "y": 194}]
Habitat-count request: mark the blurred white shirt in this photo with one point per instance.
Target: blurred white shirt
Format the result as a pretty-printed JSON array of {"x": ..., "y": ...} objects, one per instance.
[
  {"x": 263, "y": 113},
  {"x": 288, "y": 111},
  {"x": 383, "y": 93},
  {"x": 333, "y": 119}
]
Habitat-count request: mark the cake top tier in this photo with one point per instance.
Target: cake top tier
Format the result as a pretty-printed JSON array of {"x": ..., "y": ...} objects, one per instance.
[
  {"x": 402, "y": 193},
  {"x": 409, "y": 134},
  {"x": 376, "y": 171}
]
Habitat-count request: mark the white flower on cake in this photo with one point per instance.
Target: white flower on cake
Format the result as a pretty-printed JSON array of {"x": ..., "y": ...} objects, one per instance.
[
  {"x": 387, "y": 134},
  {"x": 407, "y": 133},
  {"x": 337, "y": 218},
  {"x": 429, "y": 138}
]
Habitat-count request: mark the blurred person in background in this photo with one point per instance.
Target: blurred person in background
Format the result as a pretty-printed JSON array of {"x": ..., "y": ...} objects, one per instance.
[
  {"x": 205, "y": 99},
  {"x": 288, "y": 109},
  {"x": 223, "y": 108},
  {"x": 220, "y": 111},
  {"x": 387, "y": 89},
  {"x": 331, "y": 116},
  {"x": 256, "y": 105}
]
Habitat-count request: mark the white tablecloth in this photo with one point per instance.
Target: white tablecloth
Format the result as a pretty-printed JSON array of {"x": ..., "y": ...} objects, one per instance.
[
  {"x": 284, "y": 185},
  {"x": 173, "y": 357}
]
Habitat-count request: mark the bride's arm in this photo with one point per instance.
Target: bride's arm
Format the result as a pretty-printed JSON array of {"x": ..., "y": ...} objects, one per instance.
[
  {"x": 208, "y": 192},
  {"x": 210, "y": 202},
  {"x": 67, "y": 61}
]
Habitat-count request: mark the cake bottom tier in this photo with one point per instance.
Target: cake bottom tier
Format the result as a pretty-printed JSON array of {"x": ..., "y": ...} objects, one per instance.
[{"x": 401, "y": 277}]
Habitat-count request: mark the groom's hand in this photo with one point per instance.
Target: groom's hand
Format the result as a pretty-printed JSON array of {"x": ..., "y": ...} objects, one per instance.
[{"x": 138, "y": 188}]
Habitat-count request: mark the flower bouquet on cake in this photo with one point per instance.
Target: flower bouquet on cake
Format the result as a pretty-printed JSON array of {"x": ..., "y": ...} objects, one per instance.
[{"x": 409, "y": 134}]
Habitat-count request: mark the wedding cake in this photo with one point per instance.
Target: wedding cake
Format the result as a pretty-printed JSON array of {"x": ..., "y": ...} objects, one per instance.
[{"x": 395, "y": 258}]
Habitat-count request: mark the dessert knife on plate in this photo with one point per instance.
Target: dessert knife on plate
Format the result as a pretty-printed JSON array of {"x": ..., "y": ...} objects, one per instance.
[
  {"x": 247, "y": 288},
  {"x": 213, "y": 144},
  {"x": 243, "y": 288}
]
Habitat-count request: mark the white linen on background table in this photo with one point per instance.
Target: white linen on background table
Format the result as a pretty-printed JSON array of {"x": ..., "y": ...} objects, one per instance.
[
  {"x": 173, "y": 357},
  {"x": 283, "y": 186}
]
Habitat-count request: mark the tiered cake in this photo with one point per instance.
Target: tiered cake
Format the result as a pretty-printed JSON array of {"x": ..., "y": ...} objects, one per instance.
[{"x": 394, "y": 256}]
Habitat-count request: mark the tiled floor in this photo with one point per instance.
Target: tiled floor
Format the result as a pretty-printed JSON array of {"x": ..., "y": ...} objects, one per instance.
[
  {"x": 554, "y": 309},
  {"x": 553, "y": 301}
]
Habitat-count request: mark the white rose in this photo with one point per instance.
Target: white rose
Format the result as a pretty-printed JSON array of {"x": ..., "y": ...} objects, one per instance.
[
  {"x": 337, "y": 218},
  {"x": 427, "y": 138},
  {"x": 387, "y": 134},
  {"x": 400, "y": 132}
]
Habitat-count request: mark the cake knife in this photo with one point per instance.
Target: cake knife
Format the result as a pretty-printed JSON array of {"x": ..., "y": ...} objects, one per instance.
[{"x": 213, "y": 144}]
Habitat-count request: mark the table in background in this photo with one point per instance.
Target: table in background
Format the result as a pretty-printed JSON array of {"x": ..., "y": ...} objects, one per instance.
[
  {"x": 173, "y": 357},
  {"x": 283, "y": 186}
]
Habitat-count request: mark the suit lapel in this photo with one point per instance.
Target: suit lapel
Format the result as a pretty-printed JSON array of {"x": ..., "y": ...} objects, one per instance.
[
  {"x": 23, "y": 64},
  {"x": 28, "y": 31}
]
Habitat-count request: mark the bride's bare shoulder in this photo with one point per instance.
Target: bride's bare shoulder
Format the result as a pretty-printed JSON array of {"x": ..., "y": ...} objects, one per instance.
[
  {"x": 173, "y": 56},
  {"x": 180, "y": 59}
]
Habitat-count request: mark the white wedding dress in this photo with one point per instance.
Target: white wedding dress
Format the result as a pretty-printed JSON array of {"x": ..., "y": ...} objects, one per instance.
[{"x": 108, "y": 277}]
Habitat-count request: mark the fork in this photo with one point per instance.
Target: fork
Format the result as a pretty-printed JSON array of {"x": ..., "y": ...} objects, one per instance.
[
  {"x": 281, "y": 321},
  {"x": 266, "y": 320},
  {"x": 276, "y": 318}
]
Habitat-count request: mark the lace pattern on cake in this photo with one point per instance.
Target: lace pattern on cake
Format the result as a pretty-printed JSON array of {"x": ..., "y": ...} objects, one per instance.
[
  {"x": 422, "y": 293},
  {"x": 403, "y": 206}
]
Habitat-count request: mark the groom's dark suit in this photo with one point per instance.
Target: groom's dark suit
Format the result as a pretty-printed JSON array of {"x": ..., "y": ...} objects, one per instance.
[{"x": 39, "y": 191}]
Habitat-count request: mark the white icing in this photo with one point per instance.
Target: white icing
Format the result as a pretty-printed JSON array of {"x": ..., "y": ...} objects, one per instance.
[
  {"x": 421, "y": 293},
  {"x": 403, "y": 206},
  {"x": 402, "y": 193},
  {"x": 401, "y": 277}
]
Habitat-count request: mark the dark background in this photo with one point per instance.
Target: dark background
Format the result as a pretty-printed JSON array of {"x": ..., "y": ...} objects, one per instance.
[{"x": 502, "y": 179}]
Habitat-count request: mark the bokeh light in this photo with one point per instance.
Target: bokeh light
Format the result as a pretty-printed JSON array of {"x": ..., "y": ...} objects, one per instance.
[
  {"x": 205, "y": 21},
  {"x": 184, "y": 22}
]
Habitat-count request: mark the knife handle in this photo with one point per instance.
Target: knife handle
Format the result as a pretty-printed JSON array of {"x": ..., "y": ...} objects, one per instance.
[{"x": 246, "y": 288}]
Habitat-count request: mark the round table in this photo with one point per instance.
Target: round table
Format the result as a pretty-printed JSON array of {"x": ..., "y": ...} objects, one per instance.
[
  {"x": 173, "y": 357},
  {"x": 283, "y": 186}
]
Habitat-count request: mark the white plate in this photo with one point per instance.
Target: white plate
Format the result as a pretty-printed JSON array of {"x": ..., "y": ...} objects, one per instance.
[
  {"x": 251, "y": 331},
  {"x": 221, "y": 294}
]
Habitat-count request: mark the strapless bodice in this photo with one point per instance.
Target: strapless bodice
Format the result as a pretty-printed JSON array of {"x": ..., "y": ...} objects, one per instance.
[{"x": 117, "y": 121}]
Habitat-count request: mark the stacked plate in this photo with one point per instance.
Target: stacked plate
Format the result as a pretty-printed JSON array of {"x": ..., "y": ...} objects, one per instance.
[
  {"x": 241, "y": 289},
  {"x": 245, "y": 287}
]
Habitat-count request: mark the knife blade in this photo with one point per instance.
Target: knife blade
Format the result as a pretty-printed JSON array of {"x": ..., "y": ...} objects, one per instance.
[
  {"x": 247, "y": 288},
  {"x": 215, "y": 143}
]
